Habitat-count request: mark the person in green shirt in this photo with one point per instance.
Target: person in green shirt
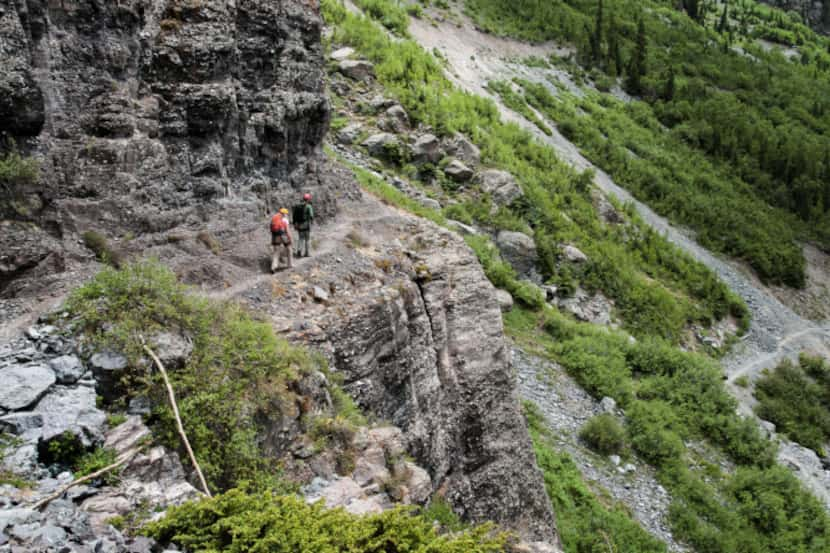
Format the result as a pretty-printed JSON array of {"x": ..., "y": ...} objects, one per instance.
[{"x": 302, "y": 219}]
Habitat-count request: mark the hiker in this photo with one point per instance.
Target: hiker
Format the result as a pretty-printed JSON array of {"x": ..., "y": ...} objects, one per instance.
[
  {"x": 280, "y": 240},
  {"x": 303, "y": 216}
]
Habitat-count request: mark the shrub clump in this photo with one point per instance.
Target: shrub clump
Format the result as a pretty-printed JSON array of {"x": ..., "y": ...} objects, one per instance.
[
  {"x": 796, "y": 398},
  {"x": 235, "y": 381},
  {"x": 99, "y": 244},
  {"x": 604, "y": 434},
  {"x": 238, "y": 521}
]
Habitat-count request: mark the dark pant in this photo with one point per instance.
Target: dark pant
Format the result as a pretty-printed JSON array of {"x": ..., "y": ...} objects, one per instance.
[{"x": 303, "y": 242}]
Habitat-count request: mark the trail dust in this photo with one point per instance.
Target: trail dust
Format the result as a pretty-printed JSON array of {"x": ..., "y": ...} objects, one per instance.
[{"x": 777, "y": 331}]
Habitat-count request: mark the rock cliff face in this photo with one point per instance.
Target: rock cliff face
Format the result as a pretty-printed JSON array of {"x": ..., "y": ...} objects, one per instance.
[{"x": 148, "y": 114}]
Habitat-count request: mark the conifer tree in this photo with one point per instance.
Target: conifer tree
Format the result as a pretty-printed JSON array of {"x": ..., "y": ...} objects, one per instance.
[
  {"x": 723, "y": 24},
  {"x": 615, "y": 63},
  {"x": 637, "y": 64},
  {"x": 596, "y": 37},
  {"x": 669, "y": 90}
]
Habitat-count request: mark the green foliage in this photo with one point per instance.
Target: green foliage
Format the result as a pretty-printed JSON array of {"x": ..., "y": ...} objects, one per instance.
[
  {"x": 585, "y": 523},
  {"x": 16, "y": 174},
  {"x": 604, "y": 434},
  {"x": 796, "y": 398},
  {"x": 236, "y": 379},
  {"x": 391, "y": 15},
  {"x": 115, "y": 419},
  {"x": 95, "y": 460},
  {"x": 237, "y": 522},
  {"x": 502, "y": 274},
  {"x": 64, "y": 450},
  {"x": 741, "y": 146},
  {"x": 441, "y": 512},
  {"x": 678, "y": 397},
  {"x": 518, "y": 104},
  {"x": 99, "y": 244},
  {"x": 657, "y": 289}
]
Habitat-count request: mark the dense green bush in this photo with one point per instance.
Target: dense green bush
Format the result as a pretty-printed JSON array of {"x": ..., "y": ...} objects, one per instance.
[
  {"x": 238, "y": 522},
  {"x": 585, "y": 523},
  {"x": 796, "y": 398},
  {"x": 237, "y": 377},
  {"x": 102, "y": 248},
  {"x": 604, "y": 434},
  {"x": 17, "y": 171}
]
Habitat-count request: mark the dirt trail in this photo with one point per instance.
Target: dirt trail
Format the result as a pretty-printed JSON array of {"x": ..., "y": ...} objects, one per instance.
[{"x": 776, "y": 332}]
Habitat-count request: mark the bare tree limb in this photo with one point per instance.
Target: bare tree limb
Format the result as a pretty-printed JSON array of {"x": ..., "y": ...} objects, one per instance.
[
  {"x": 175, "y": 407},
  {"x": 123, "y": 459}
]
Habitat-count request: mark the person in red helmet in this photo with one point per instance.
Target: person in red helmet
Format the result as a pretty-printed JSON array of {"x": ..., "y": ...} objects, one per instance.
[{"x": 302, "y": 217}]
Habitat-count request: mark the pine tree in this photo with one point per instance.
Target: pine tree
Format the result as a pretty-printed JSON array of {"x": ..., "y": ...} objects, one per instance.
[
  {"x": 596, "y": 37},
  {"x": 692, "y": 9},
  {"x": 723, "y": 24},
  {"x": 669, "y": 90},
  {"x": 615, "y": 63},
  {"x": 637, "y": 64}
]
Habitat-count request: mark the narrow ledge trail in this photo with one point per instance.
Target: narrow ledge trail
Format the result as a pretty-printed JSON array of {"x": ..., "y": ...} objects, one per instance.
[{"x": 776, "y": 332}]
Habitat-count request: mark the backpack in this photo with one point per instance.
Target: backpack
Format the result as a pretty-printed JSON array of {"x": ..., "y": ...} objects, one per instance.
[
  {"x": 277, "y": 224},
  {"x": 299, "y": 214}
]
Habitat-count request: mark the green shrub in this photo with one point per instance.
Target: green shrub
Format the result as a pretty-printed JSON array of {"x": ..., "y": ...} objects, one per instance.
[
  {"x": 585, "y": 523},
  {"x": 798, "y": 404},
  {"x": 604, "y": 434},
  {"x": 652, "y": 426},
  {"x": 17, "y": 172},
  {"x": 235, "y": 381},
  {"x": 238, "y": 521},
  {"x": 95, "y": 460},
  {"x": 99, "y": 244},
  {"x": 441, "y": 512}
]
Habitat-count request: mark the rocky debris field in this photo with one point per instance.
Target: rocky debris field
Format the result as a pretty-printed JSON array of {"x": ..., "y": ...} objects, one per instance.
[
  {"x": 48, "y": 400},
  {"x": 567, "y": 407}
]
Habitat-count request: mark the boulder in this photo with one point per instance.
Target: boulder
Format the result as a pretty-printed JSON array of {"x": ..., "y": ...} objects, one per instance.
[
  {"x": 608, "y": 405},
  {"x": 13, "y": 517},
  {"x": 173, "y": 350},
  {"x": 21, "y": 422},
  {"x": 501, "y": 186},
  {"x": 427, "y": 149},
  {"x": 429, "y": 203},
  {"x": 519, "y": 250},
  {"x": 418, "y": 483},
  {"x": 461, "y": 148},
  {"x": 505, "y": 300},
  {"x": 342, "y": 53},
  {"x": 73, "y": 410},
  {"x": 349, "y": 133},
  {"x": 458, "y": 172},
  {"x": 320, "y": 295},
  {"x": 381, "y": 145},
  {"x": 23, "y": 385},
  {"x": 398, "y": 119},
  {"x": 573, "y": 254},
  {"x": 359, "y": 70},
  {"x": 68, "y": 368},
  {"x": 107, "y": 367}
]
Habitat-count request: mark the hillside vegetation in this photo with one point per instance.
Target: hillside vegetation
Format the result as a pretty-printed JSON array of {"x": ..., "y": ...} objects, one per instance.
[
  {"x": 658, "y": 289},
  {"x": 675, "y": 402},
  {"x": 730, "y": 137}
]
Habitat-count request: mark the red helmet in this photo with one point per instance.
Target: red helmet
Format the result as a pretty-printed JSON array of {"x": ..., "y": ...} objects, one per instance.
[{"x": 307, "y": 197}]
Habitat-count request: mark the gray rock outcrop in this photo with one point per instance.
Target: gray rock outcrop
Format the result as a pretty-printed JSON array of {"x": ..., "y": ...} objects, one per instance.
[
  {"x": 146, "y": 115},
  {"x": 501, "y": 186},
  {"x": 429, "y": 355},
  {"x": 519, "y": 249},
  {"x": 458, "y": 171}
]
